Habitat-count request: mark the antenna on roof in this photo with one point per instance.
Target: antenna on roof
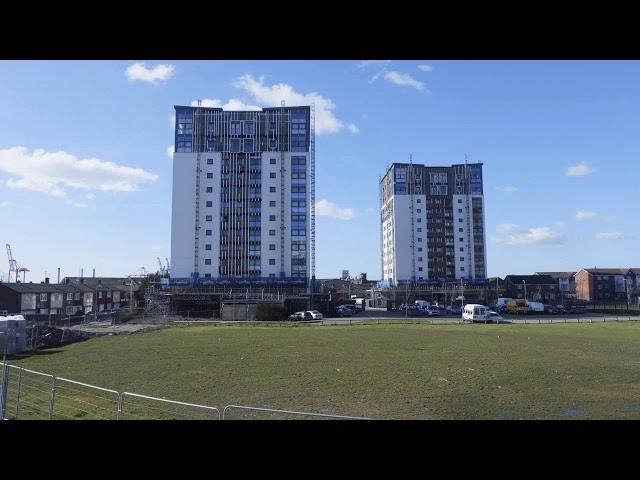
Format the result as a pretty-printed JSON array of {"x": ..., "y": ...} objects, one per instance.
[
  {"x": 199, "y": 103},
  {"x": 282, "y": 103}
]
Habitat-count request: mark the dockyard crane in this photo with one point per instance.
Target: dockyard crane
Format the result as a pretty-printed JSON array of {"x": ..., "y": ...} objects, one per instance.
[{"x": 14, "y": 267}]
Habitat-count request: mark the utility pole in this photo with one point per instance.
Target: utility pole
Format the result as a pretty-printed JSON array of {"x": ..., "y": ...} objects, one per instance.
[{"x": 525, "y": 289}]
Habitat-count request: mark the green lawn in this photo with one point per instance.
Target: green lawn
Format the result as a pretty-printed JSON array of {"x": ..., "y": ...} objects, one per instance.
[{"x": 387, "y": 371}]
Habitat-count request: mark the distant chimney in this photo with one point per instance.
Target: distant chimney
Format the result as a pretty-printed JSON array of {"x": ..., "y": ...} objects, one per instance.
[
  {"x": 99, "y": 282},
  {"x": 94, "y": 273},
  {"x": 46, "y": 280},
  {"x": 58, "y": 274},
  {"x": 81, "y": 273}
]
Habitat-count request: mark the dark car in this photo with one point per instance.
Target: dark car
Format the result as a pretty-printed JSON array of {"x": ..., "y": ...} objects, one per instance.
[
  {"x": 353, "y": 308},
  {"x": 343, "y": 311}
]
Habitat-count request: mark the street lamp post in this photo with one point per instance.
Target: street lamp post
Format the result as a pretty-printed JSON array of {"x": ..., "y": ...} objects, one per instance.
[{"x": 525, "y": 289}]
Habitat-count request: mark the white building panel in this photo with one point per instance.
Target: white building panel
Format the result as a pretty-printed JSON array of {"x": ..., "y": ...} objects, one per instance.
[{"x": 183, "y": 214}]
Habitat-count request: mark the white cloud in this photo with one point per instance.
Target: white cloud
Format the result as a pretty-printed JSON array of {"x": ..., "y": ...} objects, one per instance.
[
  {"x": 507, "y": 189},
  {"x": 159, "y": 73},
  {"x": 75, "y": 204},
  {"x": 610, "y": 236},
  {"x": 353, "y": 129},
  {"x": 369, "y": 210},
  {"x": 90, "y": 196},
  {"x": 324, "y": 208},
  {"x": 4, "y": 204},
  {"x": 513, "y": 234},
  {"x": 326, "y": 121},
  {"x": 582, "y": 215},
  {"x": 52, "y": 172},
  {"x": 380, "y": 64},
  {"x": 404, "y": 80},
  {"x": 232, "y": 104},
  {"x": 170, "y": 150},
  {"x": 579, "y": 170},
  {"x": 366, "y": 63},
  {"x": 425, "y": 68}
]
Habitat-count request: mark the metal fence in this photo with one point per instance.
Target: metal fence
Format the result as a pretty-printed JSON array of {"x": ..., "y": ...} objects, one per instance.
[{"x": 30, "y": 395}]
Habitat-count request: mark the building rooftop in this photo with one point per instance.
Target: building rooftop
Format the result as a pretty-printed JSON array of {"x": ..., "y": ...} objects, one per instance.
[
  {"x": 531, "y": 279},
  {"x": 613, "y": 271},
  {"x": 557, "y": 274}
]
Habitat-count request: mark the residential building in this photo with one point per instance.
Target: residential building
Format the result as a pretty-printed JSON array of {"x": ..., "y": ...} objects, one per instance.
[
  {"x": 105, "y": 293},
  {"x": 566, "y": 281},
  {"x": 243, "y": 195},
  {"x": 608, "y": 285},
  {"x": 41, "y": 298},
  {"x": 540, "y": 288},
  {"x": 432, "y": 223}
]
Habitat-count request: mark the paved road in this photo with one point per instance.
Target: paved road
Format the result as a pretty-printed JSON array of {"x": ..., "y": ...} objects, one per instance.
[{"x": 444, "y": 318}]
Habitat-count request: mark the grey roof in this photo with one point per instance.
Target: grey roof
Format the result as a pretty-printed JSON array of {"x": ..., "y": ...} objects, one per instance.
[
  {"x": 104, "y": 283},
  {"x": 44, "y": 287},
  {"x": 557, "y": 274},
  {"x": 531, "y": 279},
  {"x": 612, "y": 271}
]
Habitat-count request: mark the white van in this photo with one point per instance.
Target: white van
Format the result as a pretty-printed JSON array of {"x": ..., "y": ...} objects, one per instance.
[{"x": 475, "y": 312}]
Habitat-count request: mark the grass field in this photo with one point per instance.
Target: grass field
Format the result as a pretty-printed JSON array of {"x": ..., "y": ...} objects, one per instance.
[{"x": 387, "y": 371}]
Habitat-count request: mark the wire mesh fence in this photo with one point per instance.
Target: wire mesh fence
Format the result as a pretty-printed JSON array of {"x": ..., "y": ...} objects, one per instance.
[
  {"x": 142, "y": 407},
  {"x": 241, "y": 412},
  {"x": 28, "y": 394},
  {"x": 74, "y": 400}
]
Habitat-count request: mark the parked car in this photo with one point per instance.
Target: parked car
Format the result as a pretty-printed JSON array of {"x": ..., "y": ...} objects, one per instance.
[
  {"x": 297, "y": 316},
  {"x": 433, "y": 311},
  {"x": 354, "y": 310},
  {"x": 454, "y": 309},
  {"x": 495, "y": 317},
  {"x": 312, "y": 315},
  {"x": 551, "y": 310},
  {"x": 343, "y": 311},
  {"x": 408, "y": 309}
]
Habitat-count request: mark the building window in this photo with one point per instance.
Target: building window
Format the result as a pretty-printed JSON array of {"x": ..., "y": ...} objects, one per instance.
[
  {"x": 109, "y": 294},
  {"x": 43, "y": 297},
  {"x": 272, "y": 161},
  {"x": 272, "y": 218},
  {"x": 272, "y": 233},
  {"x": 419, "y": 269},
  {"x": 460, "y": 230},
  {"x": 272, "y": 175},
  {"x": 459, "y": 220},
  {"x": 272, "y": 261},
  {"x": 272, "y": 246},
  {"x": 234, "y": 145},
  {"x": 419, "y": 239},
  {"x": 272, "y": 189},
  {"x": 209, "y": 203},
  {"x": 419, "y": 210},
  {"x": 209, "y": 175},
  {"x": 461, "y": 239},
  {"x": 462, "y": 269},
  {"x": 272, "y": 203},
  {"x": 209, "y": 189},
  {"x": 99, "y": 294},
  {"x": 418, "y": 200},
  {"x": 419, "y": 229},
  {"x": 207, "y": 275},
  {"x": 248, "y": 145},
  {"x": 419, "y": 220},
  {"x": 209, "y": 161},
  {"x": 459, "y": 210},
  {"x": 236, "y": 128},
  {"x": 207, "y": 261},
  {"x": 419, "y": 249},
  {"x": 459, "y": 200},
  {"x": 249, "y": 128},
  {"x": 209, "y": 218},
  {"x": 207, "y": 246},
  {"x": 462, "y": 259},
  {"x": 208, "y": 233},
  {"x": 462, "y": 249}
]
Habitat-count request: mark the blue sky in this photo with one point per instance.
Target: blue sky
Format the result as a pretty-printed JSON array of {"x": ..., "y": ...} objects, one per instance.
[{"x": 91, "y": 186}]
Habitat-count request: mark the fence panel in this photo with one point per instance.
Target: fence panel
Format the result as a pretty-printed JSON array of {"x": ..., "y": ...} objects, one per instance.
[
  {"x": 257, "y": 413},
  {"x": 80, "y": 401},
  {"x": 141, "y": 407},
  {"x": 29, "y": 394}
]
